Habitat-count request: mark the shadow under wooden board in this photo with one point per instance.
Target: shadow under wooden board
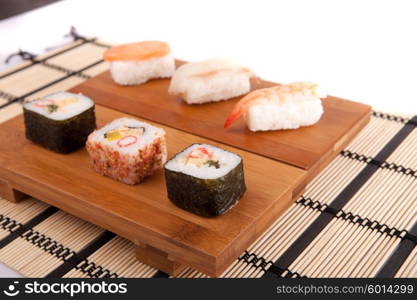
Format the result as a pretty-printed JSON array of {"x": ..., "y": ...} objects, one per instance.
[
  {"x": 167, "y": 237},
  {"x": 307, "y": 148}
]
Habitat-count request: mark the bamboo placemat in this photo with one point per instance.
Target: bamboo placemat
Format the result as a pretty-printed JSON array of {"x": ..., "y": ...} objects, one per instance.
[{"x": 357, "y": 218}]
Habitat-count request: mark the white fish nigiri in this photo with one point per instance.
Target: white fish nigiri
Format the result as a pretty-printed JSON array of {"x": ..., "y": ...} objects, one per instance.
[
  {"x": 210, "y": 80},
  {"x": 287, "y": 106}
]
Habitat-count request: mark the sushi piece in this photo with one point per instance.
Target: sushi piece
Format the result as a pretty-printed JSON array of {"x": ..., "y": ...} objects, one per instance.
[
  {"x": 287, "y": 106},
  {"x": 127, "y": 150},
  {"x": 60, "y": 122},
  {"x": 210, "y": 80},
  {"x": 136, "y": 63},
  {"x": 205, "y": 180}
]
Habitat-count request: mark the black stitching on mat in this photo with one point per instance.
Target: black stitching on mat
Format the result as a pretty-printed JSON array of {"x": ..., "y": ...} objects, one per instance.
[
  {"x": 274, "y": 272},
  {"x": 76, "y": 37},
  {"x": 32, "y": 57},
  {"x": 48, "y": 245},
  {"x": 255, "y": 260},
  {"x": 25, "y": 55},
  {"x": 28, "y": 225},
  {"x": 65, "y": 70},
  {"x": 380, "y": 164},
  {"x": 399, "y": 256},
  {"x": 57, "y": 249},
  {"x": 389, "y": 117},
  {"x": 21, "y": 98},
  {"x": 94, "y": 42},
  {"x": 355, "y": 219},
  {"x": 301, "y": 243},
  {"x": 251, "y": 259},
  {"x": 7, "y": 96},
  {"x": 41, "y": 60},
  {"x": 266, "y": 265},
  {"x": 308, "y": 202},
  {"x": 82, "y": 255},
  {"x": 9, "y": 224},
  {"x": 95, "y": 271}
]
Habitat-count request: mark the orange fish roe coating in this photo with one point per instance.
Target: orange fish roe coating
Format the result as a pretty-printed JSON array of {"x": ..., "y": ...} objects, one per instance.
[
  {"x": 137, "y": 51},
  {"x": 127, "y": 168}
]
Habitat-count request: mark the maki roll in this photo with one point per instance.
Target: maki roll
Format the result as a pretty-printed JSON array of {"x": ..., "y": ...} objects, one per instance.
[
  {"x": 210, "y": 80},
  {"x": 205, "y": 180},
  {"x": 136, "y": 63},
  {"x": 127, "y": 150},
  {"x": 60, "y": 122}
]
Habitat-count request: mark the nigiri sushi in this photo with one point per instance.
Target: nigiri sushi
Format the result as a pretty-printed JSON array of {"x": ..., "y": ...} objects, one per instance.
[
  {"x": 136, "y": 63},
  {"x": 210, "y": 80},
  {"x": 287, "y": 106}
]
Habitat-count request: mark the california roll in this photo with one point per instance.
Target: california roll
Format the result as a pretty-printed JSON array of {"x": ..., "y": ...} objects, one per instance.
[{"x": 127, "y": 150}]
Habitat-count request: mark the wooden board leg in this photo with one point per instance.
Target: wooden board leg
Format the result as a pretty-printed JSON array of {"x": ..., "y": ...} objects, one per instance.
[
  {"x": 298, "y": 192},
  {"x": 158, "y": 259},
  {"x": 7, "y": 192}
]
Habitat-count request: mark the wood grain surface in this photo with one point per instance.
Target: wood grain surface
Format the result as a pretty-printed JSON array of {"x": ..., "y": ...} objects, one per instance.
[
  {"x": 142, "y": 213},
  {"x": 304, "y": 147}
]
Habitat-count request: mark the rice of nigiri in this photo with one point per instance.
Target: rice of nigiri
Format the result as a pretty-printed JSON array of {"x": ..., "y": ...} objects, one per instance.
[
  {"x": 210, "y": 80},
  {"x": 287, "y": 106},
  {"x": 136, "y": 63}
]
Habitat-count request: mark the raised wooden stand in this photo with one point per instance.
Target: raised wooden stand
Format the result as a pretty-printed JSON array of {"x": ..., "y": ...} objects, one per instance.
[
  {"x": 277, "y": 167},
  {"x": 158, "y": 259},
  {"x": 9, "y": 193}
]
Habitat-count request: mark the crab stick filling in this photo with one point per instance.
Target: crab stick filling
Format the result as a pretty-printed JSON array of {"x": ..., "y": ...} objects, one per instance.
[
  {"x": 53, "y": 105},
  {"x": 202, "y": 156},
  {"x": 124, "y": 135}
]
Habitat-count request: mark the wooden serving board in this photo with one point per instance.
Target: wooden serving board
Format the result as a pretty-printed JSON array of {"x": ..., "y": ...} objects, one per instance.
[
  {"x": 167, "y": 237},
  {"x": 305, "y": 148},
  {"x": 277, "y": 167}
]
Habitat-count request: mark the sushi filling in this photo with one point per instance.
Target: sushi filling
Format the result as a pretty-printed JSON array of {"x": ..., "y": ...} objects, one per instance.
[
  {"x": 202, "y": 156},
  {"x": 124, "y": 135},
  {"x": 60, "y": 106},
  {"x": 204, "y": 161},
  {"x": 52, "y": 105}
]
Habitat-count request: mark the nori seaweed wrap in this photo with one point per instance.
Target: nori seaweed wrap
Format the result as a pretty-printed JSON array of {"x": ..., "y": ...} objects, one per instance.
[
  {"x": 205, "y": 180},
  {"x": 60, "y": 122}
]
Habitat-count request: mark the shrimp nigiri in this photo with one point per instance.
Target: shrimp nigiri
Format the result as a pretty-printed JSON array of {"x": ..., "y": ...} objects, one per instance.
[{"x": 287, "y": 106}]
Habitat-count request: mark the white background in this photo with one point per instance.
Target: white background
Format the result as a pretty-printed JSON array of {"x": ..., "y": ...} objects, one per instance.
[{"x": 360, "y": 50}]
